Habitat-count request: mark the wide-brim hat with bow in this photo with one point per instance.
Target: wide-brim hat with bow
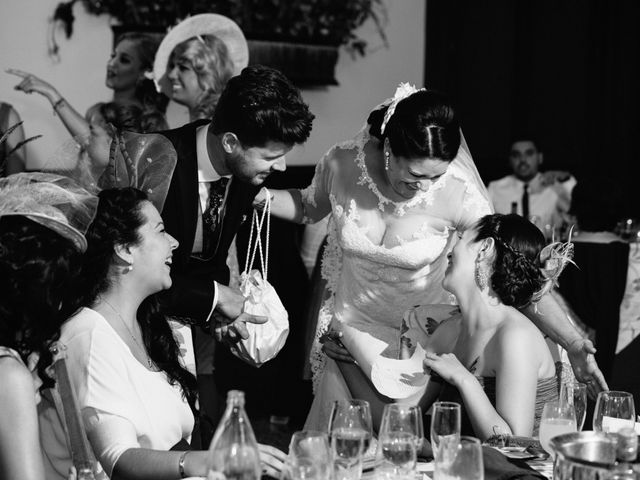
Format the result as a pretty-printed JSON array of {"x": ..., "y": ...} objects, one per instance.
[{"x": 204, "y": 24}]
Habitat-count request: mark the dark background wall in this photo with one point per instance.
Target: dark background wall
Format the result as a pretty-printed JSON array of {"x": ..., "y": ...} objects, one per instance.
[{"x": 565, "y": 70}]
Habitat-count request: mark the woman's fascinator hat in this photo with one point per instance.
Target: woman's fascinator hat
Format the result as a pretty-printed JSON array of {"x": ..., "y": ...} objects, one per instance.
[
  {"x": 53, "y": 201},
  {"x": 204, "y": 24},
  {"x": 552, "y": 259},
  {"x": 404, "y": 90},
  {"x": 143, "y": 161}
]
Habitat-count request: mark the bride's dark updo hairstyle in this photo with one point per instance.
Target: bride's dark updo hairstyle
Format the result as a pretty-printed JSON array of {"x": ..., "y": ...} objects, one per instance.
[
  {"x": 422, "y": 125},
  {"x": 516, "y": 274}
]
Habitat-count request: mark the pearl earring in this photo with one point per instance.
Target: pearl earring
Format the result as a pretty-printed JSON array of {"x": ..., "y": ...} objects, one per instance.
[
  {"x": 128, "y": 268},
  {"x": 386, "y": 160}
]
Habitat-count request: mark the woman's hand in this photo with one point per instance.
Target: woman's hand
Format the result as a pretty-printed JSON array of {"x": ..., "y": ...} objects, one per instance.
[
  {"x": 334, "y": 349},
  {"x": 271, "y": 459},
  {"x": 30, "y": 83},
  {"x": 447, "y": 366}
]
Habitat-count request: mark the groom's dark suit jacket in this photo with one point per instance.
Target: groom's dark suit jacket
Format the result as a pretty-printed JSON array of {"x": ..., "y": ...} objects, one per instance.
[{"x": 191, "y": 294}]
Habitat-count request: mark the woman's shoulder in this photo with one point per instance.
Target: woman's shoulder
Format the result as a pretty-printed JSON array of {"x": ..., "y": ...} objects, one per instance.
[
  {"x": 13, "y": 371},
  {"x": 84, "y": 323},
  {"x": 517, "y": 334}
]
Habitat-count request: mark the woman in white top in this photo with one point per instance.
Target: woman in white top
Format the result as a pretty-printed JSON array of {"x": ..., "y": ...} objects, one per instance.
[
  {"x": 40, "y": 249},
  {"x": 136, "y": 398}
]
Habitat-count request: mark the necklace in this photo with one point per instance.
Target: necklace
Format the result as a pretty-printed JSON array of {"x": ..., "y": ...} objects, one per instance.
[{"x": 130, "y": 332}]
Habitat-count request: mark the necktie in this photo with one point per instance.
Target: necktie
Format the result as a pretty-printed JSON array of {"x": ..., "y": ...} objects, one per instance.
[
  {"x": 525, "y": 201},
  {"x": 211, "y": 215}
]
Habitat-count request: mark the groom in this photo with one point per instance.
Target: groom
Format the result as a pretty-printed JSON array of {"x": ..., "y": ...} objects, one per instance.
[{"x": 221, "y": 165}]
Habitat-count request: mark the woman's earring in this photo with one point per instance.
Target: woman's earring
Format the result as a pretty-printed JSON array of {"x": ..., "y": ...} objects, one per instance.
[
  {"x": 482, "y": 275},
  {"x": 386, "y": 159},
  {"x": 128, "y": 268}
]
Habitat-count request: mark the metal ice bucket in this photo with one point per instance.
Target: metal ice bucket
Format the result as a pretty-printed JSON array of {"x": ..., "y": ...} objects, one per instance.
[{"x": 585, "y": 456}]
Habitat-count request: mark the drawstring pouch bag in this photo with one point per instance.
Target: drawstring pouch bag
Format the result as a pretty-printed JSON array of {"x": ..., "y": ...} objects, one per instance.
[{"x": 266, "y": 339}]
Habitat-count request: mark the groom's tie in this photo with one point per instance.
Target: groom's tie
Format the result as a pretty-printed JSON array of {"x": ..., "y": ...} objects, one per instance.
[{"x": 211, "y": 215}]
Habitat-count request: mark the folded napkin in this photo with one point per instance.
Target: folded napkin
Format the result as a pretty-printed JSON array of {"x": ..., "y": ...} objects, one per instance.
[{"x": 499, "y": 467}]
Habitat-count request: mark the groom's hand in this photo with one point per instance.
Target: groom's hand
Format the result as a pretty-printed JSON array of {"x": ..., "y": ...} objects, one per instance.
[{"x": 229, "y": 321}]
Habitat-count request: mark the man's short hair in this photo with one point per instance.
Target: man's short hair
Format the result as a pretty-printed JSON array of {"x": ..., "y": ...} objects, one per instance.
[
  {"x": 261, "y": 105},
  {"x": 526, "y": 137}
]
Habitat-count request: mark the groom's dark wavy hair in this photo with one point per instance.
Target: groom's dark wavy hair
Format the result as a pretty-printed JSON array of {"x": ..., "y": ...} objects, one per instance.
[
  {"x": 422, "y": 125},
  {"x": 261, "y": 105}
]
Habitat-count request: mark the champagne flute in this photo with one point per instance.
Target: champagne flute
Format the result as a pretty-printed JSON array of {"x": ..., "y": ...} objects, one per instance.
[
  {"x": 575, "y": 394},
  {"x": 557, "y": 418},
  {"x": 445, "y": 427},
  {"x": 614, "y": 411},
  {"x": 400, "y": 437},
  {"x": 465, "y": 463},
  {"x": 351, "y": 430}
]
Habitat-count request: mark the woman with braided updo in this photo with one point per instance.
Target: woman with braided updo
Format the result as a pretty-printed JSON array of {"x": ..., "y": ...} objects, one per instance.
[{"x": 491, "y": 358}]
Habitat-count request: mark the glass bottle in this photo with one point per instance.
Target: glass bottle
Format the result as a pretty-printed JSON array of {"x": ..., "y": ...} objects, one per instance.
[{"x": 234, "y": 450}]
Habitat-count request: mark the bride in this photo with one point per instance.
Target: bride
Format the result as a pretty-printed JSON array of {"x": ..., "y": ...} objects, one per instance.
[{"x": 397, "y": 194}]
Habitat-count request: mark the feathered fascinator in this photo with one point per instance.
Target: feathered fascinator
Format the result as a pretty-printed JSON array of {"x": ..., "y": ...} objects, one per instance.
[
  {"x": 553, "y": 258},
  {"x": 53, "y": 201}
]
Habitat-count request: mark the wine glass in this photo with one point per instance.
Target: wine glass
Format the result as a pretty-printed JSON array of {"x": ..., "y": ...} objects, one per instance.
[
  {"x": 351, "y": 430},
  {"x": 575, "y": 394},
  {"x": 557, "y": 418},
  {"x": 445, "y": 427},
  {"x": 309, "y": 456},
  {"x": 614, "y": 410},
  {"x": 465, "y": 462},
  {"x": 400, "y": 437}
]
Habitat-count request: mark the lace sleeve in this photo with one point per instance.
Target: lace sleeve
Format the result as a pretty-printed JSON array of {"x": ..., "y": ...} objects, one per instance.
[
  {"x": 475, "y": 200},
  {"x": 315, "y": 198}
]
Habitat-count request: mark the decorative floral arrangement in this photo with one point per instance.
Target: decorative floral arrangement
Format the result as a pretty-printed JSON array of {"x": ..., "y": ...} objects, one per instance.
[{"x": 327, "y": 22}]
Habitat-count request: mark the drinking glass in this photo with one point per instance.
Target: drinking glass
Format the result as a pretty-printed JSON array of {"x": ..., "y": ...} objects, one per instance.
[
  {"x": 400, "y": 438},
  {"x": 445, "y": 427},
  {"x": 557, "y": 418},
  {"x": 465, "y": 462},
  {"x": 309, "y": 456},
  {"x": 614, "y": 410},
  {"x": 575, "y": 394},
  {"x": 351, "y": 430}
]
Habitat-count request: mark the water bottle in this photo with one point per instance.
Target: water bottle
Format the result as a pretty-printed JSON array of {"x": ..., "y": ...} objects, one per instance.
[{"x": 234, "y": 450}]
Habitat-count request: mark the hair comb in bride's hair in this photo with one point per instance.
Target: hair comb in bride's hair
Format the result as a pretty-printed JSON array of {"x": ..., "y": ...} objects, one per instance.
[
  {"x": 553, "y": 258},
  {"x": 403, "y": 91}
]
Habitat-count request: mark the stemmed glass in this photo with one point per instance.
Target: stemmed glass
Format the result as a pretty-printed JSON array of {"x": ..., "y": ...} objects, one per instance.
[
  {"x": 614, "y": 411},
  {"x": 309, "y": 457},
  {"x": 351, "y": 430},
  {"x": 557, "y": 418},
  {"x": 575, "y": 394},
  {"x": 445, "y": 427},
  {"x": 399, "y": 440}
]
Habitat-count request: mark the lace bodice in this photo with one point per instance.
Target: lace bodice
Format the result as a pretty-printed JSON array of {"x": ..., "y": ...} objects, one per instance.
[{"x": 384, "y": 256}]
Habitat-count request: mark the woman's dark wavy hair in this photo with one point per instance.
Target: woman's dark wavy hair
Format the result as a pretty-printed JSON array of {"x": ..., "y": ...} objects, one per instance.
[
  {"x": 37, "y": 267},
  {"x": 422, "y": 125},
  {"x": 117, "y": 221},
  {"x": 516, "y": 272},
  {"x": 146, "y": 93}
]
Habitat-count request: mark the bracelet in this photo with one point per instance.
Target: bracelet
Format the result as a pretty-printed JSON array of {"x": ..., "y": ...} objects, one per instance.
[
  {"x": 181, "y": 464},
  {"x": 57, "y": 104}
]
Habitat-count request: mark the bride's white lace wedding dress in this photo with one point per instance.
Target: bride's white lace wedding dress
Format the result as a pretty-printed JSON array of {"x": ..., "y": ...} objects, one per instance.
[{"x": 382, "y": 257}]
